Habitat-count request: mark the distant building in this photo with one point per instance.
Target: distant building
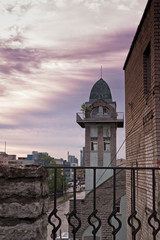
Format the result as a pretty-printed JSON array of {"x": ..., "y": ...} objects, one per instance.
[
  {"x": 3, "y": 158},
  {"x": 67, "y": 171},
  {"x": 39, "y": 156},
  {"x": 59, "y": 161},
  {"x": 8, "y": 159},
  {"x": 73, "y": 160},
  {"x": 35, "y": 157},
  {"x": 26, "y": 160},
  {"x": 29, "y": 157},
  {"x": 12, "y": 160}
]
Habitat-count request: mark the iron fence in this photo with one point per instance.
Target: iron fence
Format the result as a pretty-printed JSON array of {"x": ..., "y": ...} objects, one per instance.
[{"x": 138, "y": 181}]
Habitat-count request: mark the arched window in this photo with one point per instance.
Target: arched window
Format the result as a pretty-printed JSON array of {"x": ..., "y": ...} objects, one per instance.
[
  {"x": 95, "y": 111},
  {"x": 106, "y": 111}
]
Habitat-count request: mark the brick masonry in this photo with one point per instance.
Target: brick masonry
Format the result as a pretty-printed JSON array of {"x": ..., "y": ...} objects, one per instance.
[
  {"x": 100, "y": 145},
  {"x": 143, "y": 115},
  {"x": 104, "y": 205},
  {"x": 23, "y": 202}
]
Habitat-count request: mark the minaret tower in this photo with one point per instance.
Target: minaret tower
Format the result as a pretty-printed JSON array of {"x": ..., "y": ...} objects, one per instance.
[{"x": 100, "y": 120}]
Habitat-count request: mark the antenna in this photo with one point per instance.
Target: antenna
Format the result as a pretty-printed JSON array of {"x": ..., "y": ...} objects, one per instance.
[
  {"x": 5, "y": 147},
  {"x": 101, "y": 71}
]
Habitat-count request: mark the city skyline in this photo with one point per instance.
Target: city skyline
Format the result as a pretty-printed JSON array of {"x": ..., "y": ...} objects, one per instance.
[{"x": 51, "y": 55}]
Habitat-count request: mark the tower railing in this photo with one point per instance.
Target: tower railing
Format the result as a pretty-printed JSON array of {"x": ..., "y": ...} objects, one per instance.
[
  {"x": 82, "y": 116},
  {"x": 117, "y": 118}
]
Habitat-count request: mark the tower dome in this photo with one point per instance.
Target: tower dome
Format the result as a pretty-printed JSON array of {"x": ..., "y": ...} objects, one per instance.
[{"x": 100, "y": 90}]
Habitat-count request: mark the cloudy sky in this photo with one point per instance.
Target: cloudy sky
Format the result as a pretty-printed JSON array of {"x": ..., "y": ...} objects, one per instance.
[{"x": 51, "y": 52}]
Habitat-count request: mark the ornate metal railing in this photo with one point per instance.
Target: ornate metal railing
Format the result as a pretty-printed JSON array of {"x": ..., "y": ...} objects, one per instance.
[{"x": 142, "y": 185}]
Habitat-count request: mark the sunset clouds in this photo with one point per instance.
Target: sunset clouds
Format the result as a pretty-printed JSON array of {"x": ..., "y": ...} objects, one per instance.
[{"x": 50, "y": 57}]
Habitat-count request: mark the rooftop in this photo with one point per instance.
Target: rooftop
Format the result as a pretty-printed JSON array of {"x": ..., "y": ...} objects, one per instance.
[{"x": 100, "y": 90}]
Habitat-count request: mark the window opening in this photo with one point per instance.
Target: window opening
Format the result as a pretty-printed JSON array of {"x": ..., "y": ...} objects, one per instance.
[
  {"x": 106, "y": 111},
  {"x": 106, "y": 141},
  {"x": 147, "y": 69},
  {"x": 94, "y": 144},
  {"x": 95, "y": 111}
]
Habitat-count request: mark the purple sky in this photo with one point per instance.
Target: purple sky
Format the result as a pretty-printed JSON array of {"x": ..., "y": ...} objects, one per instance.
[{"x": 51, "y": 52}]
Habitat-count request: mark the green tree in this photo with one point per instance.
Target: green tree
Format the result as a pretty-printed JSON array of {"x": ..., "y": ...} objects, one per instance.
[
  {"x": 84, "y": 109},
  {"x": 62, "y": 185}
]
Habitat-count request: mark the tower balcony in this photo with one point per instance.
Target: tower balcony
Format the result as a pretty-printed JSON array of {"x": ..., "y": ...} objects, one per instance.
[{"x": 117, "y": 118}]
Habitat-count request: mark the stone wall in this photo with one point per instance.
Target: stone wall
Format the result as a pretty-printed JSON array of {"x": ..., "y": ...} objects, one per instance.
[{"x": 23, "y": 202}]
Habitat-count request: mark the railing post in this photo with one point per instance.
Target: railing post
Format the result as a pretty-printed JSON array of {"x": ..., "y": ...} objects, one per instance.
[
  {"x": 74, "y": 196},
  {"x": 93, "y": 214},
  {"x": 114, "y": 196},
  {"x": 54, "y": 211},
  {"x": 154, "y": 212},
  {"x": 114, "y": 211},
  {"x": 133, "y": 216},
  {"x": 73, "y": 214}
]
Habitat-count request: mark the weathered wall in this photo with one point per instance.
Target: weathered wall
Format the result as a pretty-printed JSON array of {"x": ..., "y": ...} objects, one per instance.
[
  {"x": 143, "y": 115},
  {"x": 23, "y": 202}
]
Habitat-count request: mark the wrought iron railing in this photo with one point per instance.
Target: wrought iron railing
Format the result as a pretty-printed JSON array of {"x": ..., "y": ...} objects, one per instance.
[{"x": 140, "y": 181}]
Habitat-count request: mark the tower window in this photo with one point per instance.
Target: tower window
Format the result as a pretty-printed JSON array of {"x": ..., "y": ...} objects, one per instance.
[
  {"x": 94, "y": 144},
  {"x": 106, "y": 111},
  {"x": 147, "y": 69},
  {"x": 95, "y": 111},
  {"x": 106, "y": 141}
]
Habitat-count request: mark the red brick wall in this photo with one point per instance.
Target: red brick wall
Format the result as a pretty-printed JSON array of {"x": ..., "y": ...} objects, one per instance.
[{"x": 143, "y": 116}]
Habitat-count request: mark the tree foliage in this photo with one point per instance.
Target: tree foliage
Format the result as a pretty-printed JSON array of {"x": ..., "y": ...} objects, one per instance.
[{"x": 61, "y": 185}]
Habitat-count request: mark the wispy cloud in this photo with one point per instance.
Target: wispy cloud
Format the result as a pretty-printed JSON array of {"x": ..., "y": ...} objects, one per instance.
[{"x": 50, "y": 57}]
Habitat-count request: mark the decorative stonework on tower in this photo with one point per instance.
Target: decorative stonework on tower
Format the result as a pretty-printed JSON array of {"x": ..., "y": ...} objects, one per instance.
[{"x": 100, "y": 120}]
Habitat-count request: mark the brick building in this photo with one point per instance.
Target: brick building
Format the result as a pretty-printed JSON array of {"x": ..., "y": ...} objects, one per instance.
[
  {"x": 142, "y": 96},
  {"x": 100, "y": 120}
]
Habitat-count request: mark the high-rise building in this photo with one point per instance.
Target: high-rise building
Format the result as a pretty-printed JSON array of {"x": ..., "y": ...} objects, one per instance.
[{"x": 73, "y": 160}]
